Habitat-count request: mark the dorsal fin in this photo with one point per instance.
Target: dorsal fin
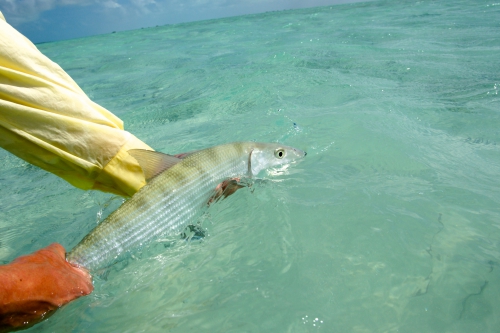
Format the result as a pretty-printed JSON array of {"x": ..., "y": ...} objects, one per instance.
[{"x": 152, "y": 162}]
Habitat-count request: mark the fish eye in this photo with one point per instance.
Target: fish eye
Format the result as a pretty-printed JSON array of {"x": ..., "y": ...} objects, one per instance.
[{"x": 279, "y": 153}]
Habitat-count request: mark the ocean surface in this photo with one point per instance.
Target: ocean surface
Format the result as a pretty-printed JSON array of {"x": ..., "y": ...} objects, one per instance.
[{"x": 390, "y": 224}]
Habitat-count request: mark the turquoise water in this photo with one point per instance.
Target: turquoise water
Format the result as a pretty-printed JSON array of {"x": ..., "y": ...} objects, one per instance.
[{"x": 390, "y": 224}]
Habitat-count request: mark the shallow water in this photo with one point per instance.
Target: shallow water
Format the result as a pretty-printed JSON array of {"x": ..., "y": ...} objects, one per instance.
[{"x": 390, "y": 224}]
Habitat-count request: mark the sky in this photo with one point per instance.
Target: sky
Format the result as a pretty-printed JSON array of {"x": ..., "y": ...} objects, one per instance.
[{"x": 53, "y": 20}]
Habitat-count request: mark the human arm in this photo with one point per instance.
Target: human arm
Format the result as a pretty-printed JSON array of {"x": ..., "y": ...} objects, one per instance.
[
  {"x": 47, "y": 120},
  {"x": 35, "y": 285}
]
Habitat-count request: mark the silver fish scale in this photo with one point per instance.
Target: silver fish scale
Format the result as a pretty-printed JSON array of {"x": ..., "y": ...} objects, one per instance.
[{"x": 165, "y": 206}]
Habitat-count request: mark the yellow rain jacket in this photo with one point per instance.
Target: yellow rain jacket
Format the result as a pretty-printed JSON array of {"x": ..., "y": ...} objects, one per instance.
[{"x": 47, "y": 120}]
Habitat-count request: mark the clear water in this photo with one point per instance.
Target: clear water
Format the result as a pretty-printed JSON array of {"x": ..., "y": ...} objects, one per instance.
[{"x": 391, "y": 223}]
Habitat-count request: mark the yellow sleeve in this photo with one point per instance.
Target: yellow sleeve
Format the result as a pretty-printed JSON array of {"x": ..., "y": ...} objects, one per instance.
[{"x": 47, "y": 120}]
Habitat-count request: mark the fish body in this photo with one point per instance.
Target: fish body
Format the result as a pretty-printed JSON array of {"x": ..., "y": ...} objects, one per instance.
[{"x": 174, "y": 198}]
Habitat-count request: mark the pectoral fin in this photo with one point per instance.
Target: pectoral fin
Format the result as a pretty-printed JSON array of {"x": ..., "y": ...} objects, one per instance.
[
  {"x": 226, "y": 188},
  {"x": 152, "y": 162}
]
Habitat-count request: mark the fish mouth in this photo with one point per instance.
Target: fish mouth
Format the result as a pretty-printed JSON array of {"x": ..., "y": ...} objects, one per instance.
[{"x": 300, "y": 153}]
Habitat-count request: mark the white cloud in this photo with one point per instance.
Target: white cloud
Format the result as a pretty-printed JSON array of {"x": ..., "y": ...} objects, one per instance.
[
  {"x": 21, "y": 11},
  {"x": 143, "y": 3},
  {"x": 144, "y": 6},
  {"x": 111, "y": 4}
]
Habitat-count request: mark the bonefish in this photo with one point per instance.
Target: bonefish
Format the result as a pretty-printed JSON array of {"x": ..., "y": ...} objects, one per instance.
[{"x": 177, "y": 191}]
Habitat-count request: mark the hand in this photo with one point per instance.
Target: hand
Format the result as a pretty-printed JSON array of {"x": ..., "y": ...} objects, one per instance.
[
  {"x": 35, "y": 285},
  {"x": 225, "y": 189}
]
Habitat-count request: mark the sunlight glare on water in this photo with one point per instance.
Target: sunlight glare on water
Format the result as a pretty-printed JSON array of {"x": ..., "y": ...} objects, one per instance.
[{"x": 390, "y": 224}]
